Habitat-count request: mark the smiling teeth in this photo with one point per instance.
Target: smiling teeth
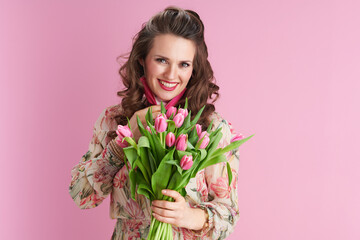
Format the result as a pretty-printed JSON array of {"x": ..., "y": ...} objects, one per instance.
[{"x": 168, "y": 84}]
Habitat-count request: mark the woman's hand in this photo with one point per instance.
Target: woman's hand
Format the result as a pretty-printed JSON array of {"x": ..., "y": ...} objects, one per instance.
[
  {"x": 178, "y": 213},
  {"x": 156, "y": 110}
]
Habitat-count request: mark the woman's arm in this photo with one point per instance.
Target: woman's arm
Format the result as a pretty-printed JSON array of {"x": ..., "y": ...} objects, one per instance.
[
  {"x": 92, "y": 177},
  {"x": 222, "y": 205}
]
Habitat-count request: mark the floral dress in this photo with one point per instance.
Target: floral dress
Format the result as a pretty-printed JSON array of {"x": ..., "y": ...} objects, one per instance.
[{"x": 101, "y": 173}]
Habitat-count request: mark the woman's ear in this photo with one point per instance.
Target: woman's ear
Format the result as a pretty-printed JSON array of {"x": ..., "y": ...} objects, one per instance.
[{"x": 141, "y": 61}]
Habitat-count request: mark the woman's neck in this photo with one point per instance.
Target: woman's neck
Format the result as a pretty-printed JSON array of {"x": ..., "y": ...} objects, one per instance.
[{"x": 158, "y": 100}]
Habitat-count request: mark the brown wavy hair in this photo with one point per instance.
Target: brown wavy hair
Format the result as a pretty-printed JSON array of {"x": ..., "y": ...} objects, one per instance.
[{"x": 201, "y": 86}]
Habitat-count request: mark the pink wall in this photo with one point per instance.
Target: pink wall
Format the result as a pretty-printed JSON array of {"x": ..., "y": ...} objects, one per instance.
[{"x": 289, "y": 72}]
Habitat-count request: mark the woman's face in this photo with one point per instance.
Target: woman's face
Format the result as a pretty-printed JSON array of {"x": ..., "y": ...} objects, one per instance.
[{"x": 169, "y": 65}]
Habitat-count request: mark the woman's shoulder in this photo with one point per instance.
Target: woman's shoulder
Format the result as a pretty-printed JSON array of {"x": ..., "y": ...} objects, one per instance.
[
  {"x": 219, "y": 121},
  {"x": 106, "y": 121}
]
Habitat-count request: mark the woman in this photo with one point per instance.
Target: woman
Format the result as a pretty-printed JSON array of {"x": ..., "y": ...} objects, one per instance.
[{"x": 168, "y": 63}]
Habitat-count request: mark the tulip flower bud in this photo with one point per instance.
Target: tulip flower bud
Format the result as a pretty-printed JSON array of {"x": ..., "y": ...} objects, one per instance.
[
  {"x": 122, "y": 132},
  {"x": 237, "y": 137},
  {"x": 170, "y": 139},
  {"x": 181, "y": 142},
  {"x": 149, "y": 129},
  {"x": 171, "y": 111},
  {"x": 160, "y": 123},
  {"x": 198, "y": 129},
  {"x": 184, "y": 112},
  {"x": 186, "y": 162},
  {"x": 206, "y": 140},
  {"x": 179, "y": 120}
]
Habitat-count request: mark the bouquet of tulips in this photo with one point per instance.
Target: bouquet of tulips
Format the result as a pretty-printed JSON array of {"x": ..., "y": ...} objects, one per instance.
[{"x": 170, "y": 151}]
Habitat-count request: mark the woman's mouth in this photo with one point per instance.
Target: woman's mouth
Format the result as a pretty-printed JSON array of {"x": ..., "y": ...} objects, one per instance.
[{"x": 167, "y": 85}]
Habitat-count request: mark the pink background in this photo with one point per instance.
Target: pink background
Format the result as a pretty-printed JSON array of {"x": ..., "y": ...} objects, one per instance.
[{"x": 289, "y": 73}]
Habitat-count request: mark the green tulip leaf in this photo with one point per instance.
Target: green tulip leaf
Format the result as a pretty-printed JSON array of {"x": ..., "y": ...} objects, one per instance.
[
  {"x": 196, "y": 118},
  {"x": 163, "y": 109},
  {"x": 231, "y": 146},
  {"x": 171, "y": 125},
  {"x": 229, "y": 172},
  {"x": 161, "y": 177},
  {"x": 187, "y": 122},
  {"x": 143, "y": 142},
  {"x": 152, "y": 162},
  {"x": 132, "y": 179},
  {"x": 212, "y": 161},
  {"x": 203, "y": 154},
  {"x": 142, "y": 169},
  {"x": 141, "y": 127},
  {"x": 210, "y": 126},
  {"x": 193, "y": 137},
  {"x": 214, "y": 142},
  {"x": 143, "y": 187},
  {"x": 149, "y": 116},
  {"x": 131, "y": 141},
  {"x": 186, "y": 103},
  {"x": 131, "y": 154},
  {"x": 176, "y": 163}
]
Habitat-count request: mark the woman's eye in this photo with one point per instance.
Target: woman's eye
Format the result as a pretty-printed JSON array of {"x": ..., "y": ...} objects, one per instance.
[
  {"x": 185, "y": 64},
  {"x": 161, "y": 60}
]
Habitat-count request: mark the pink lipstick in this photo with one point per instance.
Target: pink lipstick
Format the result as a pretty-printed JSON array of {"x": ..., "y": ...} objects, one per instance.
[{"x": 165, "y": 87}]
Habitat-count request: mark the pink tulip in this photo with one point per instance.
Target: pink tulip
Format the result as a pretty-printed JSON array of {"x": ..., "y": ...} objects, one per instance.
[
  {"x": 206, "y": 140},
  {"x": 160, "y": 123},
  {"x": 183, "y": 111},
  {"x": 122, "y": 132},
  {"x": 171, "y": 111},
  {"x": 186, "y": 162},
  {"x": 170, "y": 139},
  {"x": 237, "y": 137},
  {"x": 179, "y": 120},
  {"x": 181, "y": 142},
  {"x": 198, "y": 129},
  {"x": 149, "y": 129}
]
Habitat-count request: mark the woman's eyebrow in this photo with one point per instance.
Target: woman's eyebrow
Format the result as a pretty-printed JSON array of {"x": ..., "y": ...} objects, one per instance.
[{"x": 168, "y": 58}]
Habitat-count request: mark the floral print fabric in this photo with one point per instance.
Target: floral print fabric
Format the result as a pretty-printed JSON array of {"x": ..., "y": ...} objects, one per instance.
[{"x": 100, "y": 173}]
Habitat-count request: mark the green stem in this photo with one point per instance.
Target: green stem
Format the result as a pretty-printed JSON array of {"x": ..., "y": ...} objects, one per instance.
[
  {"x": 162, "y": 139},
  {"x": 171, "y": 232},
  {"x": 165, "y": 133},
  {"x": 151, "y": 228},
  {"x": 157, "y": 234}
]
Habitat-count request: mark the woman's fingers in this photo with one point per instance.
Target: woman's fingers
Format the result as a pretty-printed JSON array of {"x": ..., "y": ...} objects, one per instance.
[
  {"x": 177, "y": 213},
  {"x": 170, "y": 213},
  {"x": 163, "y": 219},
  {"x": 174, "y": 194},
  {"x": 165, "y": 205},
  {"x": 167, "y": 212}
]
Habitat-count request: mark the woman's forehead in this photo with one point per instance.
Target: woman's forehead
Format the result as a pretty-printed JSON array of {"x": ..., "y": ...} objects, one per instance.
[{"x": 171, "y": 46}]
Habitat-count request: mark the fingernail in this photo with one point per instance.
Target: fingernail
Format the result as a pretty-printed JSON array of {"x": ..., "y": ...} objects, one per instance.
[{"x": 163, "y": 191}]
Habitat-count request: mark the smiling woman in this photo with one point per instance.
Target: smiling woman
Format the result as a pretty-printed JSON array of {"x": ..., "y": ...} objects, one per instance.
[
  {"x": 168, "y": 65},
  {"x": 168, "y": 62}
]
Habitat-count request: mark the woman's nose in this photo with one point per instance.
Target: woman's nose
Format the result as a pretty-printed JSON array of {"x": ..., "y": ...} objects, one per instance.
[{"x": 171, "y": 72}]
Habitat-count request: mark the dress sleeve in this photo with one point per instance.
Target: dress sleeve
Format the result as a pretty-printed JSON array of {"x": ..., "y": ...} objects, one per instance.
[
  {"x": 92, "y": 177},
  {"x": 222, "y": 205}
]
